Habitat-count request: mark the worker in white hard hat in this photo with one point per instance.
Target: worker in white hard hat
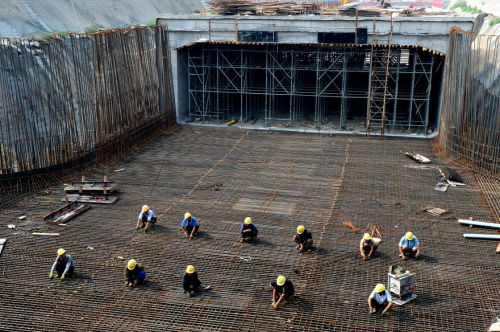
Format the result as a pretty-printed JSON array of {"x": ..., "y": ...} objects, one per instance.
[
  {"x": 190, "y": 282},
  {"x": 282, "y": 290},
  {"x": 63, "y": 265},
  {"x": 303, "y": 238},
  {"x": 147, "y": 217},
  {"x": 409, "y": 245},
  {"x": 134, "y": 274},
  {"x": 380, "y": 300},
  {"x": 189, "y": 226},
  {"x": 368, "y": 245},
  {"x": 249, "y": 231}
]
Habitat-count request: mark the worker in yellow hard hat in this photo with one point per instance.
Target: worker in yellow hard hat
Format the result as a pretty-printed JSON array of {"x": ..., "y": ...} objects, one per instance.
[
  {"x": 190, "y": 282},
  {"x": 368, "y": 245},
  {"x": 303, "y": 238},
  {"x": 380, "y": 299},
  {"x": 409, "y": 246},
  {"x": 134, "y": 274},
  {"x": 63, "y": 265},
  {"x": 282, "y": 290},
  {"x": 147, "y": 217},
  {"x": 189, "y": 226},
  {"x": 249, "y": 231}
]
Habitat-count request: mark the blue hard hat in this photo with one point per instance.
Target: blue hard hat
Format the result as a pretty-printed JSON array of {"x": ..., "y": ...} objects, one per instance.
[{"x": 142, "y": 275}]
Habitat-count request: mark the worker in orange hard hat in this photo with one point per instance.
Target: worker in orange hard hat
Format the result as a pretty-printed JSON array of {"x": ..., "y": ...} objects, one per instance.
[
  {"x": 147, "y": 217},
  {"x": 303, "y": 238},
  {"x": 282, "y": 290}
]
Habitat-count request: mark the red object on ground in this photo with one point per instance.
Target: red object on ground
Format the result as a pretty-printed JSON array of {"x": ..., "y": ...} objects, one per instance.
[
  {"x": 411, "y": 5},
  {"x": 437, "y": 3}
]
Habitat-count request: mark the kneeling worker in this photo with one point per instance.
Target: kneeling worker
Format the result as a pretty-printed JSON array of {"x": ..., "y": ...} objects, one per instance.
[
  {"x": 189, "y": 226},
  {"x": 409, "y": 245},
  {"x": 380, "y": 299},
  {"x": 282, "y": 290},
  {"x": 190, "y": 282},
  {"x": 134, "y": 274},
  {"x": 63, "y": 265},
  {"x": 147, "y": 217},
  {"x": 248, "y": 231},
  {"x": 368, "y": 246},
  {"x": 303, "y": 238}
]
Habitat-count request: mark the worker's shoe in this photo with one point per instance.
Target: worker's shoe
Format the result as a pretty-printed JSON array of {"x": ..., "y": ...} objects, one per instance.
[
  {"x": 254, "y": 240},
  {"x": 417, "y": 254},
  {"x": 298, "y": 247}
]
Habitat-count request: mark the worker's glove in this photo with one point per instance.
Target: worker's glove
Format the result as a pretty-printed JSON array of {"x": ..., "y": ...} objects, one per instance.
[
  {"x": 51, "y": 275},
  {"x": 137, "y": 227},
  {"x": 274, "y": 305},
  {"x": 385, "y": 313},
  {"x": 372, "y": 311},
  {"x": 146, "y": 230},
  {"x": 63, "y": 277}
]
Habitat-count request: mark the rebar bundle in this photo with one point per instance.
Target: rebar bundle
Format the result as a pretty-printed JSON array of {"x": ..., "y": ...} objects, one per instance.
[
  {"x": 470, "y": 122},
  {"x": 85, "y": 99}
]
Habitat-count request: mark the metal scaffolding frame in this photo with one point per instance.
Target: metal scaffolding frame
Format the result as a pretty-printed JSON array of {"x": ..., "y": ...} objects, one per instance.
[{"x": 316, "y": 82}]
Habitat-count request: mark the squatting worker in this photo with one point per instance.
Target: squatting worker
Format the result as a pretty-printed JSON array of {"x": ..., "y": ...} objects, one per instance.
[
  {"x": 409, "y": 245},
  {"x": 303, "y": 238},
  {"x": 282, "y": 291},
  {"x": 147, "y": 217},
  {"x": 368, "y": 245},
  {"x": 63, "y": 265},
  {"x": 189, "y": 226},
  {"x": 380, "y": 299},
  {"x": 249, "y": 231},
  {"x": 134, "y": 274},
  {"x": 190, "y": 282}
]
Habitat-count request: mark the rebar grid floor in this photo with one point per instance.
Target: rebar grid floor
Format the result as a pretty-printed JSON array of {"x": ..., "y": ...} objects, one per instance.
[{"x": 281, "y": 180}]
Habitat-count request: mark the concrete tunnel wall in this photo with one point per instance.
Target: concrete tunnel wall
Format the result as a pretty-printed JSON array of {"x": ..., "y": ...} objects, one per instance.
[{"x": 428, "y": 32}]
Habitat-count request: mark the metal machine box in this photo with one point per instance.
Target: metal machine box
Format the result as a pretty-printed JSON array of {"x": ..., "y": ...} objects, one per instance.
[{"x": 400, "y": 283}]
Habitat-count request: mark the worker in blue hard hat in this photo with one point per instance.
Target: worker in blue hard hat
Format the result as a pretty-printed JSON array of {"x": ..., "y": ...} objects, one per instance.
[
  {"x": 249, "y": 231},
  {"x": 147, "y": 217},
  {"x": 380, "y": 299},
  {"x": 409, "y": 245},
  {"x": 189, "y": 226},
  {"x": 63, "y": 265},
  {"x": 134, "y": 274}
]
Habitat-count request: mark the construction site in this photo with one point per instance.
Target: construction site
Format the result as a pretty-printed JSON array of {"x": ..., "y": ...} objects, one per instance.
[{"x": 344, "y": 123}]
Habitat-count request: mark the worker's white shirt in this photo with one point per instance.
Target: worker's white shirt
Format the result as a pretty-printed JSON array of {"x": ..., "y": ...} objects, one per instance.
[{"x": 381, "y": 298}]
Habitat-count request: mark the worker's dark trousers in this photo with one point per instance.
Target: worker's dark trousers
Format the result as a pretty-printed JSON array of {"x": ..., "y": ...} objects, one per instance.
[
  {"x": 145, "y": 220},
  {"x": 377, "y": 305},
  {"x": 367, "y": 248},
  {"x": 252, "y": 234},
  {"x": 308, "y": 242},
  {"x": 61, "y": 267},
  {"x": 194, "y": 287},
  {"x": 189, "y": 229},
  {"x": 137, "y": 281}
]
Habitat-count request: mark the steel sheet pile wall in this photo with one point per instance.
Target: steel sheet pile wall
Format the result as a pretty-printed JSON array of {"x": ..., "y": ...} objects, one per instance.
[
  {"x": 470, "y": 121},
  {"x": 81, "y": 100}
]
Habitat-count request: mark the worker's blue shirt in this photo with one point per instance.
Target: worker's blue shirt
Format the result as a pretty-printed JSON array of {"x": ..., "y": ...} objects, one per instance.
[
  {"x": 411, "y": 244},
  {"x": 192, "y": 223},
  {"x": 244, "y": 227},
  {"x": 386, "y": 296},
  {"x": 304, "y": 236},
  {"x": 150, "y": 214},
  {"x": 68, "y": 262}
]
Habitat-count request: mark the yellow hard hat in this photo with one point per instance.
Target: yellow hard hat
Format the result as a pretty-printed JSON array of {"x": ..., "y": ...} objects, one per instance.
[
  {"x": 187, "y": 215},
  {"x": 409, "y": 236},
  {"x": 60, "y": 252},
  {"x": 190, "y": 269},
  {"x": 379, "y": 288},
  {"x": 367, "y": 236},
  {"x": 248, "y": 220},
  {"x": 131, "y": 264},
  {"x": 301, "y": 229},
  {"x": 281, "y": 280},
  {"x": 145, "y": 208}
]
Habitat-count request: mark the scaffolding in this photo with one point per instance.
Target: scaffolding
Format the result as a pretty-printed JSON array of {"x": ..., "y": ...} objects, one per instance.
[{"x": 312, "y": 82}]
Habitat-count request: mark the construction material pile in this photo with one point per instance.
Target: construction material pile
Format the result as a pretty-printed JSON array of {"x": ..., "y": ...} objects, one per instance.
[{"x": 242, "y": 7}]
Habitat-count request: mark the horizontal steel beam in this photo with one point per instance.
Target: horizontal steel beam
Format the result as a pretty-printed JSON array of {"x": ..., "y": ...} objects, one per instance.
[
  {"x": 479, "y": 223},
  {"x": 482, "y": 237}
]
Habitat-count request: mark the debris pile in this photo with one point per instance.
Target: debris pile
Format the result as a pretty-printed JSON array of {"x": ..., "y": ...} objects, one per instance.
[{"x": 245, "y": 7}]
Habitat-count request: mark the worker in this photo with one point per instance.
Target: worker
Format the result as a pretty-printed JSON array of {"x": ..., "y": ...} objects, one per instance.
[
  {"x": 282, "y": 291},
  {"x": 409, "y": 245},
  {"x": 368, "y": 246},
  {"x": 63, "y": 265},
  {"x": 248, "y": 231},
  {"x": 303, "y": 238},
  {"x": 147, "y": 217},
  {"x": 134, "y": 274},
  {"x": 381, "y": 299},
  {"x": 189, "y": 226},
  {"x": 190, "y": 282}
]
